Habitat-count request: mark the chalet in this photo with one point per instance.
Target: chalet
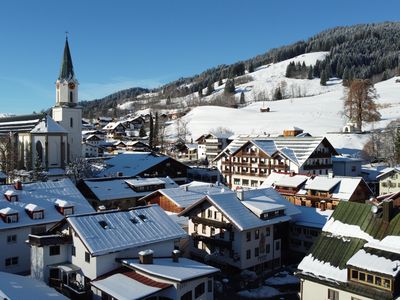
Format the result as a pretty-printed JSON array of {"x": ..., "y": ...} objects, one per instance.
[
  {"x": 86, "y": 252},
  {"x": 115, "y": 130},
  {"x": 137, "y": 146},
  {"x": 243, "y": 230},
  {"x": 145, "y": 164},
  {"x": 213, "y": 143},
  {"x": 33, "y": 208},
  {"x": 185, "y": 152},
  {"x": 177, "y": 199},
  {"x": 103, "y": 121},
  {"x": 356, "y": 256},
  {"x": 389, "y": 181},
  {"x": 117, "y": 192},
  {"x": 319, "y": 191},
  {"x": 134, "y": 123},
  {"x": 90, "y": 150},
  {"x": 248, "y": 162}
]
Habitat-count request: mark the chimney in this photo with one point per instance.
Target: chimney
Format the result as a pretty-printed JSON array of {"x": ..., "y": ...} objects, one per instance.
[
  {"x": 18, "y": 185},
  {"x": 240, "y": 194},
  {"x": 146, "y": 257},
  {"x": 120, "y": 174},
  {"x": 387, "y": 207},
  {"x": 175, "y": 255},
  {"x": 322, "y": 204},
  {"x": 292, "y": 173}
]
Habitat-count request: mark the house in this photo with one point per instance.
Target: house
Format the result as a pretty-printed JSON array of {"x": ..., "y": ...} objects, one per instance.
[
  {"x": 243, "y": 230},
  {"x": 356, "y": 256},
  {"x": 115, "y": 130},
  {"x": 14, "y": 286},
  {"x": 90, "y": 150},
  {"x": 346, "y": 166},
  {"x": 177, "y": 199},
  {"x": 81, "y": 248},
  {"x": 145, "y": 164},
  {"x": 305, "y": 229},
  {"x": 213, "y": 143},
  {"x": 389, "y": 180},
  {"x": 117, "y": 192},
  {"x": 134, "y": 123},
  {"x": 185, "y": 152},
  {"x": 165, "y": 278},
  {"x": 103, "y": 121},
  {"x": 248, "y": 162},
  {"x": 137, "y": 146},
  {"x": 33, "y": 208},
  {"x": 319, "y": 191}
]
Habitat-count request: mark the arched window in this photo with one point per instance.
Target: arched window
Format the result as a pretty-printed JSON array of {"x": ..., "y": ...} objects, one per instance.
[{"x": 39, "y": 151}]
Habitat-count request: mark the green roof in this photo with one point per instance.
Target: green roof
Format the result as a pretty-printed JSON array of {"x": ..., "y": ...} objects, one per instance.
[
  {"x": 67, "y": 69},
  {"x": 336, "y": 250}
]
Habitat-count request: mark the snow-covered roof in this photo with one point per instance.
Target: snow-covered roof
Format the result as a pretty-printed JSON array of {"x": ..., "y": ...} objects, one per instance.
[
  {"x": 321, "y": 183},
  {"x": 184, "y": 269},
  {"x": 291, "y": 181},
  {"x": 312, "y": 217},
  {"x": 376, "y": 263},
  {"x": 112, "y": 125},
  {"x": 19, "y": 123},
  {"x": 132, "y": 163},
  {"x": 48, "y": 125},
  {"x": 246, "y": 214},
  {"x": 123, "y": 287},
  {"x": 119, "y": 188},
  {"x": 8, "y": 211},
  {"x": 33, "y": 207},
  {"x": 387, "y": 171},
  {"x": 124, "y": 229},
  {"x": 44, "y": 195},
  {"x": 14, "y": 286},
  {"x": 267, "y": 146},
  {"x": 188, "y": 194},
  {"x": 312, "y": 266},
  {"x": 272, "y": 179}
]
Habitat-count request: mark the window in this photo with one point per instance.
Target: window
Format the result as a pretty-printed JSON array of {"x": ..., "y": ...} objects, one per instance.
[
  {"x": 267, "y": 248},
  {"x": 71, "y": 122},
  {"x": 73, "y": 250},
  {"x": 87, "y": 257},
  {"x": 12, "y": 239},
  {"x": 333, "y": 295},
  {"x": 248, "y": 254},
  {"x": 11, "y": 261},
  {"x": 212, "y": 232},
  {"x": 54, "y": 250},
  {"x": 71, "y": 98},
  {"x": 37, "y": 215},
  {"x": 187, "y": 296},
  {"x": 245, "y": 182},
  {"x": 256, "y": 252},
  {"x": 353, "y": 168},
  {"x": 209, "y": 286},
  {"x": 268, "y": 231},
  {"x": 203, "y": 214},
  {"x": 361, "y": 276},
  {"x": 254, "y": 183},
  {"x": 354, "y": 274},
  {"x": 204, "y": 229},
  {"x": 257, "y": 234},
  {"x": 195, "y": 226},
  {"x": 236, "y": 181},
  {"x": 215, "y": 215},
  {"x": 248, "y": 236},
  {"x": 199, "y": 290},
  {"x": 209, "y": 213},
  {"x": 12, "y": 218},
  {"x": 221, "y": 233},
  {"x": 370, "y": 278}
]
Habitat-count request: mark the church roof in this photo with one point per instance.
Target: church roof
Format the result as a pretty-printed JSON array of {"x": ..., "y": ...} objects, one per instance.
[
  {"x": 24, "y": 123},
  {"x": 48, "y": 125},
  {"x": 67, "y": 69}
]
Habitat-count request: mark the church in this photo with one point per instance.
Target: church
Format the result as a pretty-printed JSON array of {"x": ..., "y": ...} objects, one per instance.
[{"x": 42, "y": 140}]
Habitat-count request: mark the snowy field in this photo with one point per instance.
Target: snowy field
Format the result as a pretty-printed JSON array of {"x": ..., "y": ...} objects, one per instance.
[{"x": 320, "y": 112}]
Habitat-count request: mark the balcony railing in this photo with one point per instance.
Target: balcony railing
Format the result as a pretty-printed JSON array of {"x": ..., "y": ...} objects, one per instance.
[
  {"x": 317, "y": 166},
  {"x": 213, "y": 241},
  {"x": 213, "y": 223}
]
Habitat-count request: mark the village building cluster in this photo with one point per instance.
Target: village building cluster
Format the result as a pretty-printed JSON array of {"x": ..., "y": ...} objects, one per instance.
[{"x": 198, "y": 220}]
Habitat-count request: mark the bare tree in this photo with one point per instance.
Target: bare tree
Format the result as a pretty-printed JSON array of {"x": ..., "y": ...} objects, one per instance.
[
  {"x": 8, "y": 153},
  {"x": 359, "y": 105},
  {"x": 182, "y": 130},
  {"x": 81, "y": 168}
]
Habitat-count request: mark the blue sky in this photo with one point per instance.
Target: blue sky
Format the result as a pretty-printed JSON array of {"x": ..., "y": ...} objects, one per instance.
[{"x": 121, "y": 44}]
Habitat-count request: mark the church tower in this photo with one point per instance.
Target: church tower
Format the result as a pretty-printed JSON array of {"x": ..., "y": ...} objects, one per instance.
[{"x": 66, "y": 111}]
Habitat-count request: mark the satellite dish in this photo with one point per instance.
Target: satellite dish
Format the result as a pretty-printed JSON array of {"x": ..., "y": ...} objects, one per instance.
[{"x": 374, "y": 209}]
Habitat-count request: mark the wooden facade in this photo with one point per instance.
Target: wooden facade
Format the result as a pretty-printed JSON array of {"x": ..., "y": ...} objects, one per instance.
[{"x": 164, "y": 202}]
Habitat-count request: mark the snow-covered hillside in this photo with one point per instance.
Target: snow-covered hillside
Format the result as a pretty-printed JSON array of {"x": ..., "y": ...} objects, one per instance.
[{"x": 319, "y": 113}]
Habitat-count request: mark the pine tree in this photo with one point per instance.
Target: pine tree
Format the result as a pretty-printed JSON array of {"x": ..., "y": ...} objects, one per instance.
[
  {"x": 397, "y": 146},
  {"x": 168, "y": 101},
  {"x": 220, "y": 82},
  {"x": 251, "y": 68},
  {"x": 210, "y": 88},
  {"x": 142, "y": 132},
  {"x": 323, "y": 78},
  {"x": 242, "y": 98},
  {"x": 310, "y": 73},
  {"x": 151, "y": 133},
  {"x": 155, "y": 130},
  {"x": 229, "y": 86},
  {"x": 278, "y": 94},
  {"x": 346, "y": 76}
]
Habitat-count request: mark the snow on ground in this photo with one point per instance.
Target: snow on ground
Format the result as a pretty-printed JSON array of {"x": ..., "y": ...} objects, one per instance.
[
  {"x": 259, "y": 293},
  {"x": 282, "y": 278}
]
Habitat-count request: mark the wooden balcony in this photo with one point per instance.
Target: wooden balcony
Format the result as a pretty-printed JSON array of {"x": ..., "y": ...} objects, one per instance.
[
  {"x": 213, "y": 223},
  {"x": 213, "y": 241},
  {"x": 321, "y": 155}
]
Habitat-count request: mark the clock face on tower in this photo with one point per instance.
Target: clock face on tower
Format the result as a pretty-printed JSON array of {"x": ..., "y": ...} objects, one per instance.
[{"x": 71, "y": 85}]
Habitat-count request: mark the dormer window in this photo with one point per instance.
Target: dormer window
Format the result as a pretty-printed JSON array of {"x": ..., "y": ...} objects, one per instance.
[
  {"x": 11, "y": 195},
  {"x": 34, "y": 212},
  {"x": 9, "y": 215},
  {"x": 64, "y": 208}
]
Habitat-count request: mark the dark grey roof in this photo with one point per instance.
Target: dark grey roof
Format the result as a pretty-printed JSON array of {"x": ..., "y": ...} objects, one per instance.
[
  {"x": 67, "y": 69},
  {"x": 24, "y": 123}
]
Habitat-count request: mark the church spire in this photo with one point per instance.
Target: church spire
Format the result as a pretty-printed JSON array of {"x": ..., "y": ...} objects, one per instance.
[{"x": 67, "y": 69}]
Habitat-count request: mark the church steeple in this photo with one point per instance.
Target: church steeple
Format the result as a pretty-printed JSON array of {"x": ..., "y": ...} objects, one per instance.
[{"x": 67, "y": 69}]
